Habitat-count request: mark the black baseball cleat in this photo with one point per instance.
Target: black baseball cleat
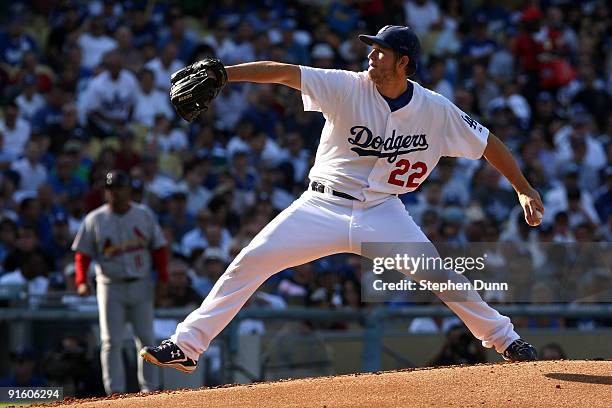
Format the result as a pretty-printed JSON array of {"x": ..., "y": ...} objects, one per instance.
[
  {"x": 520, "y": 350},
  {"x": 168, "y": 354}
]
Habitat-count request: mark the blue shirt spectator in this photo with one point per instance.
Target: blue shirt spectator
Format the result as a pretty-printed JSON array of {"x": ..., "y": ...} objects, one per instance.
[
  {"x": 14, "y": 43},
  {"x": 51, "y": 114},
  {"x": 63, "y": 181},
  {"x": 342, "y": 17},
  {"x": 184, "y": 40}
]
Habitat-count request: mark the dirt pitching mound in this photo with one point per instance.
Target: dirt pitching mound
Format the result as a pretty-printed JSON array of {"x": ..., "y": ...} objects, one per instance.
[{"x": 535, "y": 384}]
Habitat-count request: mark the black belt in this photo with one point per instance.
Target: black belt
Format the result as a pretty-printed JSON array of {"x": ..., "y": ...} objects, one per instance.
[
  {"x": 316, "y": 186},
  {"x": 129, "y": 280}
]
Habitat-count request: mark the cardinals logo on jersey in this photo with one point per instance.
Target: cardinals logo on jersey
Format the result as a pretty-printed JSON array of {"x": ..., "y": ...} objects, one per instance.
[
  {"x": 135, "y": 244},
  {"x": 367, "y": 144}
]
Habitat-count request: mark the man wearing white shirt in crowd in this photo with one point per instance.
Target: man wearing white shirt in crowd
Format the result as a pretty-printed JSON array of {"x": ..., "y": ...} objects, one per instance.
[
  {"x": 208, "y": 232},
  {"x": 560, "y": 198},
  {"x": 29, "y": 101},
  {"x": 16, "y": 131},
  {"x": 270, "y": 191},
  {"x": 197, "y": 195},
  {"x": 438, "y": 82},
  {"x": 581, "y": 129},
  {"x": 150, "y": 101},
  {"x": 164, "y": 66},
  {"x": 108, "y": 101},
  {"x": 31, "y": 274},
  {"x": 208, "y": 268},
  {"x": 255, "y": 143},
  {"x": 94, "y": 43},
  {"x": 155, "y": 182},
  {"x": 230, "y": 105},
  {"x": 31, "y": 171},
  {"x": 164, "y": 137},
  {"x": 6, "y": 158},
  {"x": 239, "y": 142},
  {"x": 421, "y": 15},
  {"x": 261, "y": 147}
]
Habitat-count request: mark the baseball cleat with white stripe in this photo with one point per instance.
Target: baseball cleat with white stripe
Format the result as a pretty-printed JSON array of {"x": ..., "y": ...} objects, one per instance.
[{"x": 168, "y": 354}]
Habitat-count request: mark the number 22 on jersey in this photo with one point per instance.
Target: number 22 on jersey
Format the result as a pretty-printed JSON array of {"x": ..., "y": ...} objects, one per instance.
[{"x": 419, "y": 169}]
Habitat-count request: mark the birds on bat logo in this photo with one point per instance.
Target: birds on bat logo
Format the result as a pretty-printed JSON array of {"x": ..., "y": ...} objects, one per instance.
[{"x": 135, "y": 244}]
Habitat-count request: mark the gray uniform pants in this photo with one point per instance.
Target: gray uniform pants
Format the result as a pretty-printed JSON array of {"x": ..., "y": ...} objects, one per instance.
[{"x": 118, "y": 304}]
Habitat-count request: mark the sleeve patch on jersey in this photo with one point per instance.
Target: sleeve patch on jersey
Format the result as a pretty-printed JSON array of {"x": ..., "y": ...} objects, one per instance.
[{"x": 471, "y": 122}]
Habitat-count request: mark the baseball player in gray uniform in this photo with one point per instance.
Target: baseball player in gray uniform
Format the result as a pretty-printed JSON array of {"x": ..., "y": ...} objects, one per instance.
[
  {"x": 383, "y": 136},
  {"x": 126, "y": 242}
]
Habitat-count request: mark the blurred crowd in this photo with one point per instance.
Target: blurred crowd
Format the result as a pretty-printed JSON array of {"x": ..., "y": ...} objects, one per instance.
[{"x": 84, "y": 89}]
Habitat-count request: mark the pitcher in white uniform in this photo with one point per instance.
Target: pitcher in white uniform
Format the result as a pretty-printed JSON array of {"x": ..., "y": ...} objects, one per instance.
[{"x": 382, "y": 137}]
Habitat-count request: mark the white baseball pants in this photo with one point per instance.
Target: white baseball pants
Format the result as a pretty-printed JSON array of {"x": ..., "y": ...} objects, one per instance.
[{"x": 314, "y": 226}]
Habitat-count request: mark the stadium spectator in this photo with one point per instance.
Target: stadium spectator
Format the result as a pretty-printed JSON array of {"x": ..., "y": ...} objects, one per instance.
[
  {"x": 23, "y": 370},
  {"x": 15, "y": 42},
  {"x": 150, "y": 101},
  {"x": 58, "y": 245},
  {"x": 65, "y": 184},
  {"x": 209, "y": 232},
  {"x": 180, "y": 293},
  {"x": 430, "y": 200},
  {"x": 68, "y": 128},
  {"x": 31, "y": 171},
  {"x": 32, "y": 273},
  {"x": 6, "y": 158},
  {"x": 164, "y": 138},
  {"x": 156, "y": 182},
  {"x": 127, "y": 155},
  {"x": 482, "y": 87},
  {"x": 422, "y": 15},
  {"x": 164, "y": 66},
  {"x": 51, "y": 113},
  {"x": 197, "y": 195},
  {"x": 297, "y": 288},
  {"x": 29, "y": 101},
  {"x": 95, "y": 43},
  {"x": 297, "y": 156},
  {"x": 15, "y": 130},
  {"x": 178, "y": 34},
  {"x": 130, "y": 55},
  {"x": 207, "y": 270},
  {"x": 177, "y": 214},
  {"x": 8, "y": 239},
  {"x": 108, "y": 100},
  {"x": 478, "y": 47},
  {"x": 437, "y": 80}
]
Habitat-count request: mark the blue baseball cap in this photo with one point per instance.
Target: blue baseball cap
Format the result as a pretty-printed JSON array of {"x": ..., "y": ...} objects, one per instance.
[{"x": 400, "y": 39}]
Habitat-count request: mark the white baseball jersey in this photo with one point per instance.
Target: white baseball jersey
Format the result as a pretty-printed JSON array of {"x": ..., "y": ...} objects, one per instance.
[{"x": 368, "y": 151}]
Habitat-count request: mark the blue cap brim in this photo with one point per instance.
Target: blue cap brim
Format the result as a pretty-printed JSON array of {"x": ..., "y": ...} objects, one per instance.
[{"x": 372, "y": 39}]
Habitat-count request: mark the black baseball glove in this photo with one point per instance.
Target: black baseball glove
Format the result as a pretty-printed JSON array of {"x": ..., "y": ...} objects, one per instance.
[{"x": 195, "y": 86}]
